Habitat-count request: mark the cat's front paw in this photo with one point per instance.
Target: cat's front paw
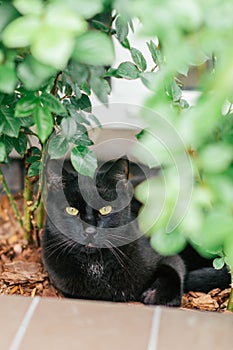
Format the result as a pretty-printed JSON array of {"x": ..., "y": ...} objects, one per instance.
[
  {"x": 149, "y": 297},
  {"x": 153, "y": 296}
]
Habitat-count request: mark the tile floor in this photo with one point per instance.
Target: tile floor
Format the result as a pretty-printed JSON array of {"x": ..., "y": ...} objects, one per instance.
[{"x": 41, "y": 324}]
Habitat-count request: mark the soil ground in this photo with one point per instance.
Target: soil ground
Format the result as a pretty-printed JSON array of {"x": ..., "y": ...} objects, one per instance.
[{"x": 22, "y": 271}]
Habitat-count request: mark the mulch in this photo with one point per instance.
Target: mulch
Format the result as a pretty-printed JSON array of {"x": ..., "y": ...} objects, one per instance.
[{"x": 22, "y": 271}]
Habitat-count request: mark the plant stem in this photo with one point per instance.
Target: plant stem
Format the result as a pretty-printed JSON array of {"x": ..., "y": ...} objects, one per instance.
[
  {"x": 54, "y": 88},
  {"x": 28, "y": 197},
  {"x": 11, "y": 198},
  {"x": 39, "y": 221},
  {"x": 230, "y": 302},
  {"x": 40, "y": 216}
]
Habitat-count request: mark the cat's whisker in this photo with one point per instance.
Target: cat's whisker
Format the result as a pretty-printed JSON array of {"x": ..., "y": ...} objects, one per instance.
[
  {"x": 119, "y": 251},
  {"x": 70, "y": 245},
  {"x": 125, "y": 265},
  {"x": 54, "y": 247},
  {"x": 59, "y": 247},
  {"x": 73, "y": 247},
  {"x": 133, "y": 262},
  {"x": 114, "y": 252},
  {"x": 119, "y": 237}
]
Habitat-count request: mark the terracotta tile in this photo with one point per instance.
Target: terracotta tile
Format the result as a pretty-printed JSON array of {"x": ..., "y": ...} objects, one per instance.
[
  {"x": 87, "y": 325},
  {"x": 13, "y": 310},
  {"x": 192, "y": 330}
]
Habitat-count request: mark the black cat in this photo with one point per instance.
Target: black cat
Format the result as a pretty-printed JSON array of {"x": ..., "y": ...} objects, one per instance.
[{"x": 92, "y": 247}]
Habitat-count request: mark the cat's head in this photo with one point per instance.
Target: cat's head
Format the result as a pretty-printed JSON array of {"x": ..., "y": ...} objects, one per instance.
[{"x": 94, "y": 213}]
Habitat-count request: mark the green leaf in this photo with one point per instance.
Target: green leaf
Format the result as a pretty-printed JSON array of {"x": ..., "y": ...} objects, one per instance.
[
  {"x": 78, "y": 72},
  {"x": 214, "y": 231},
  {"x": 21, "y": 31},
  {"x": 20, "y": 144},
  {"x": 11, "y": 125},
  {"x": 95, "y": 120},
  {"x": 84, "y": 160},
  {"x": 1, "y": 126},
  {"x": 155, "y": 53},
  {"x": 122, "y": 28},
  {"x": 29, "y": 6},
  {"x": 228, "y": 250},
  {"x": 81, "y": 139},
  {"x": 128, "y": 70},
  {"x": 58, "y": 146},
  {"x": 85, "y": 87},
  {"x": 125, "y": 44},
  {"x": 100, "y": 87},
  {"x": 53, "y": 104},
  {"x": 218, "y": 263},
  {"x": 112, "y": 72},
  {"x": 100, "y": 26},
  {"x": 44, "y": 122},
  {"x": 33, "y": 73},
  {"x": 84, "y": 103},
  {"x": 2, "y": 152},
  {"x": 8, "y": 143},
  {"x": 149, "y": 79},
  {"x": 69, "y": 127},
  {"x": 34, "y": 169},
  {"x": 26, "y": 105},
  {"x": 168, "y": 243},
  {"x": 216, "y": 157},
  {"x": 174, "y": 91},
  {"x": 184, "y": 70},
  {"x": 93, "y": 48},
  {"x": 32, "y": 159},
  {"x": 7, "y": 79},
  {"x": 35, "y": 151},
  {"x": 131, "y": 24},
  {"x": 8, "y": 13},
  {"x": 59, "y": 15},
  {"x": 141, "y": 134},
  {"x": 138, "y": 59},
  {"x": 80, "y": 119},
  {"x": 183, "y": 104},
  {"x": 76, "y": 90},
  {"x": 87, "y": 10},
  {"x": 52, "y": 46}
]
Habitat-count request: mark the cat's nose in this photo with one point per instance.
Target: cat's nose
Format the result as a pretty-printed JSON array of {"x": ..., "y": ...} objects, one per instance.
[{"x": 90, "y": 230}]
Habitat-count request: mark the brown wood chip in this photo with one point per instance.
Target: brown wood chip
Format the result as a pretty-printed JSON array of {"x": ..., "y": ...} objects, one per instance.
[
  {"x": 22, "y": 271},
  {"x": 205, "y": 302}
]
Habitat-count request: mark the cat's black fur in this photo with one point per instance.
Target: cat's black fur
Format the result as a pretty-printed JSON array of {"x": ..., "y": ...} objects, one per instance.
[{"x": 105, "y": 257}]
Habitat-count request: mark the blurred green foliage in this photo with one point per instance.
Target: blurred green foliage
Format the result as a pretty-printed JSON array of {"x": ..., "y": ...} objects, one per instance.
[{"x": 187, "y": 34}]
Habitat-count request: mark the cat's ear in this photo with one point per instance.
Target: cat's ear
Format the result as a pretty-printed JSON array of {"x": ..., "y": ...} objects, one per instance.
[
  {"x": 57, "y": 174},
  {"x": 118, "y": 170},
  {"x": 53, "y": 174}
]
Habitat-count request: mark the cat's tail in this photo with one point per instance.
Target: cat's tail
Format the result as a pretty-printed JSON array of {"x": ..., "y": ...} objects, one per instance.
[{"x": 206, "y": 279}]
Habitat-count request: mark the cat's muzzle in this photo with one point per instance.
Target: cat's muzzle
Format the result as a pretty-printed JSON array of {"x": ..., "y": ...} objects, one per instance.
[{"x": 90, "y": 232}]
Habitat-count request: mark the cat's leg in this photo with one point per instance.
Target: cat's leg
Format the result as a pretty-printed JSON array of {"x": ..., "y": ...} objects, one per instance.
[
  {"x": 167, "y": 288},
  {"x": 207, "y": 278}
]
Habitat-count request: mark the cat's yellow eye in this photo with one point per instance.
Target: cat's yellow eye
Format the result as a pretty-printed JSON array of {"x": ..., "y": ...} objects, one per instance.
[
  {"x": 105, "y": 210},
  {"x": 71, "y": 211}
]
